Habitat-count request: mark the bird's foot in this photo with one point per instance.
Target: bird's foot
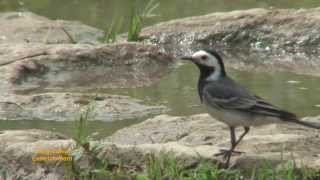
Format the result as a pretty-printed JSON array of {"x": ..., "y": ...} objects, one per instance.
[{"x": 227, "y": 153}]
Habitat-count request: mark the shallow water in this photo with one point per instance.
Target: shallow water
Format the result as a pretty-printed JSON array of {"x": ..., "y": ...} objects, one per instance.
[
  {"x": 297, "y": 93},
  {"x": 98, "y": 129}
]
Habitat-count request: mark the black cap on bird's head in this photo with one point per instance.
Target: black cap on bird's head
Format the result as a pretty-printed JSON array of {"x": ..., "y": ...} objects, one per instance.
[{"x": 208, "y": 61}]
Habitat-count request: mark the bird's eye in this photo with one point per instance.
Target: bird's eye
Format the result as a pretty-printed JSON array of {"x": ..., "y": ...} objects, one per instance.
[{"x": 204, "y": 57}]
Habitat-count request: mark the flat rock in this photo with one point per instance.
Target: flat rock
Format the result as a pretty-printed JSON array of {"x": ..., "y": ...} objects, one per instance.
[
  {"x": 27, "y": 27},
  {"x": 68, "y": 107},
  {"x": 189, "y": 139},
  {"x": 74, "y": 66},
  {"x": 272, "y": 39},
  {"x": 18, "y": 147},
  {"x": 202, "y": 135}
]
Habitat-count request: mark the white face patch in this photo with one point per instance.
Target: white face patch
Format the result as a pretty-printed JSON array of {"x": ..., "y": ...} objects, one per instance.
[{"x": 206, "y": 59}]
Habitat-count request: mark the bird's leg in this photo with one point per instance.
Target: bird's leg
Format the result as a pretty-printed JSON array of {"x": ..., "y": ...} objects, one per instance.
[
  {"x": 246, "y": 130},
  {"x": 234, "y": 144},
  {"x": 227, "y": 153}
]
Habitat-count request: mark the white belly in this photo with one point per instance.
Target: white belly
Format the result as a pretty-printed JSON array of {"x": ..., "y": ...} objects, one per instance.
[{"x": 236, "y": 118}]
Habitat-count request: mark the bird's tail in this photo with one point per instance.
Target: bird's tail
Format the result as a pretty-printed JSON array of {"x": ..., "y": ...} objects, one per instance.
[{"x": 305, "y": 123}]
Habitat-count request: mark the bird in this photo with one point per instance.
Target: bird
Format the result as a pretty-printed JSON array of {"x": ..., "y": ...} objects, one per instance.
[{"x": 233, "y": 104}]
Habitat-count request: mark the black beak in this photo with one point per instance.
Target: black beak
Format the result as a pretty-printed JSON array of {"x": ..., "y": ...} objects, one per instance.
[{"x": 187, "y": 58}]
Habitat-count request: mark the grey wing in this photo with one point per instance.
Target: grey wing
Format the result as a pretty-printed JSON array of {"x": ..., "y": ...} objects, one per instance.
[
  {"x": 232, "y": 96},
  {"x": 221, "y": 96}
]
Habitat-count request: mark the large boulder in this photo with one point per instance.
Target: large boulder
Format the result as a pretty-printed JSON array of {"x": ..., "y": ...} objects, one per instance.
[
  {"x": 68, "y": 107},
  {"x": 272, "y": 28},
  {"x": 26, "y": 27},
  {"x": 264, "y": 39},
  {"x": 72, "y": 66}
]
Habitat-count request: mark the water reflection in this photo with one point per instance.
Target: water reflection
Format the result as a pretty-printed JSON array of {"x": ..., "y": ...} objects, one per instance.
[
  {"x": 100, "y": 128},
  {"x": 178, "y": 90}
]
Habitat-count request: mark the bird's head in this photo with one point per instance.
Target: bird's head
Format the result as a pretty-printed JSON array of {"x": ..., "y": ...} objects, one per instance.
[{"x": 209, "y": 62}]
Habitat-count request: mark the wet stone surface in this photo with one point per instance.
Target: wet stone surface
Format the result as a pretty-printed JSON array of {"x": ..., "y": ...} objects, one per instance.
[
  {"x": 270, "y": 29},
  {"x": 64, "y": 66},
  {"x": 282, "y": 38},
  {"x": 69, "y": 106}
]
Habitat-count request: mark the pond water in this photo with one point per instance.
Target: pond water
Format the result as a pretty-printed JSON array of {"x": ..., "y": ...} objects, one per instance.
[{"x": 177, "y": 90}]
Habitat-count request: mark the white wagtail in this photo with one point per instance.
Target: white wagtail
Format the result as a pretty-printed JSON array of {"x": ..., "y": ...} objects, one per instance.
[{"x": 233, "y": 104}]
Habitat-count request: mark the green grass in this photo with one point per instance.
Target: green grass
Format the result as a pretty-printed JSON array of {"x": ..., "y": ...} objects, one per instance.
[
  {"x": 113, "y": 30},
  {"x": 206, "y": 171},
  {"x": 82, "y": 136},
  {"x": 165, "y": 166},
  {"x": 3, "y": 174},
  {"x": 135, "y": 27},
  {"x": 136, "y": 20}
]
